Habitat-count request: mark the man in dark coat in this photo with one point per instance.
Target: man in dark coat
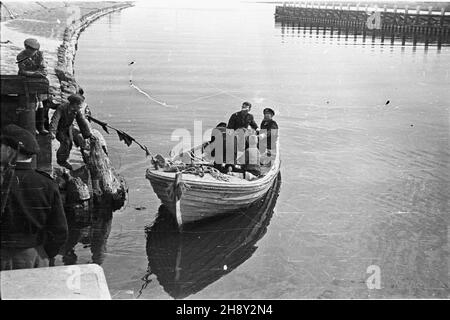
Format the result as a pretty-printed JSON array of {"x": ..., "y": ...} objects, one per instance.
[
  {"x": 269, "y": 131},
  {"x": 33, "y": 222},
  {"x": 61, "y": 127},
  {"x": 242, "y": 119}
]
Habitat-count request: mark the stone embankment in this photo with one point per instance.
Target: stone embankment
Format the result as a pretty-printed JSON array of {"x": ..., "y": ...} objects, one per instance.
[
  {"x": 49, "y": 22},
  {"x": 66, "y": 52}
]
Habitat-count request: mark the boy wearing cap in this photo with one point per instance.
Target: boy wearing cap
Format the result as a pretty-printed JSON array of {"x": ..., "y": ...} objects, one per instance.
[
  {"x": 31, "y": 61},
  {"x": 61, "y": 127},
  {"x": 33, "y": 222},
  {"x": 32, "y": 64},
  {"x": 269, "y": 129}
]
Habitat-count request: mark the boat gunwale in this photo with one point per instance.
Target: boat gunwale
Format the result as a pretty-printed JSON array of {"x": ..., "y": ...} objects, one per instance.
[{"x": 275, "y": 168}]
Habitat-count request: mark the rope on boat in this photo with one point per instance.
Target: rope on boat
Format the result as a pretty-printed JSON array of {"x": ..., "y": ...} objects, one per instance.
[
  {"x": 146, "y": 281},
  {"x": 199, "y": 169},
  {"x": 177, "y": 188}
]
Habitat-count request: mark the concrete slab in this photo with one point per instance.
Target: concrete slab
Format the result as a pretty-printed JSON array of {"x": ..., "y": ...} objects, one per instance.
[{"x": 76, "y": 282}]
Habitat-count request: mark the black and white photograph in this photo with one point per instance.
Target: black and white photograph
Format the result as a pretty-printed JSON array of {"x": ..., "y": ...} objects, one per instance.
[{"x": 237, "y": 152}]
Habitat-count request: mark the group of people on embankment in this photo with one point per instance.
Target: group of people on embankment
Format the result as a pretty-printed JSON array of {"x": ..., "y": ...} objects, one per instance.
[{"x": 39, "y": 217}]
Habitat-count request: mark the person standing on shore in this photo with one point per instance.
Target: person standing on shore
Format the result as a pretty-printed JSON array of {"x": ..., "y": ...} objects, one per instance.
[
  {"x": 32, "y": 64},
  {"x": 33, "y": 222},
  {"x": 61, "y": 127}
]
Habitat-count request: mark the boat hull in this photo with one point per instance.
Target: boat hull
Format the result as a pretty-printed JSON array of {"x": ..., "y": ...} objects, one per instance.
[
  {"x": 204, "y": 198},
  {"x": 203, "y": 202}
]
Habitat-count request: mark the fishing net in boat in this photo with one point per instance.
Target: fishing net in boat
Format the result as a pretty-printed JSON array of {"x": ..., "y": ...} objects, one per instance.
[{"x": 200, "y": 169}]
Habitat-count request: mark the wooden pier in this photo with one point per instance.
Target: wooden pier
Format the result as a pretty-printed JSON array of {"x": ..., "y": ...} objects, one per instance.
[{"x": 415, "y": 25}]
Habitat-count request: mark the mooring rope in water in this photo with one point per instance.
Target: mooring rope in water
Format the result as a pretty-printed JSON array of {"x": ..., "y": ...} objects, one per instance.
[
  {"x": 132, "y": 85},
  {"x": 219, "y": 92}
]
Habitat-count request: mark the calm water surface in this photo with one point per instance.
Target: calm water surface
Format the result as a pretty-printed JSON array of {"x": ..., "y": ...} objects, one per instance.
[{"x": 364, "y": 182}]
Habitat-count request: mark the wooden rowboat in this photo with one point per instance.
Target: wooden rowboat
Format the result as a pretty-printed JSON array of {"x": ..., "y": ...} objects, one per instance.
[
  {"x": 187, "y": 262},
  {"x": 192, "y": 198}
]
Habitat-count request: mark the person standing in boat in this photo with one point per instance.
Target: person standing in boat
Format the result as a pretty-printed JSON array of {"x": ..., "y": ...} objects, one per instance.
[
  {"x": 269, "y": 131},
  {"x": 242, "y": 119},
  {"x": 61, "y": 127},
  {"x": 33, "y": 222},
  {"x": 32, "y": 64},
  {"x": 238, "y": 131}
]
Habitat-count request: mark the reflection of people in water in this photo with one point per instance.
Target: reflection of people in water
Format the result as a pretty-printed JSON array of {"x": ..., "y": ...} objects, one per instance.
[{"x": 187, "y": 262}]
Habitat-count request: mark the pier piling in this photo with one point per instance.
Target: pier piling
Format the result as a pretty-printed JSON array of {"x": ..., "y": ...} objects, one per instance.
[{"x": 389, "y": 22}]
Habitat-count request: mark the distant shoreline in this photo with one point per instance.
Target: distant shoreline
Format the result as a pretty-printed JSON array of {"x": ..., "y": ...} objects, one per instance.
[{"x": 400, "y": 4}]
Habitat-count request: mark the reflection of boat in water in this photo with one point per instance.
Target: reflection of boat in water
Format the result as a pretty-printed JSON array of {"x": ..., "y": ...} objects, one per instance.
[{"x": 187, "y": 262}]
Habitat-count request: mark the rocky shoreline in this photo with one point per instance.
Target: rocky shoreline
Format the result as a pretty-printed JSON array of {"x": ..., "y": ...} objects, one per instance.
[{"x": 66, "y": 52}]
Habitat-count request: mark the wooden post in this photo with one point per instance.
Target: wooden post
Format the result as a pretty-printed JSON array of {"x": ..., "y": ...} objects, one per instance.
[
  {"x": 405, "y": 19},
  {"x": 430, "y": 11},
  {"x": 417, "y": 14},
  {"x": 346, "y": 30},
  {"x": 393, "y": 27},
  {"x": 414, "y": 36},
  {"x": 364, "y": 31},
  {"x": 395, "y": 15},
  {"x": 383, "y": 25},
  {"x": 403, "y": 35},
  {"x": 442, "y": 17}
]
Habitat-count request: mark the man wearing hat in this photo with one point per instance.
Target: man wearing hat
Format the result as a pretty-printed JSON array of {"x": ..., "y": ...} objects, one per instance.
[
  {"x": 242, "y": 119},
  {"x": 31, "y": 61},
  {"x": 269, "y": 129},
  {"x": 32, "y": 64},
  {"x": 33, "y": 223},
  {"x": 61, "y": 127}
]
